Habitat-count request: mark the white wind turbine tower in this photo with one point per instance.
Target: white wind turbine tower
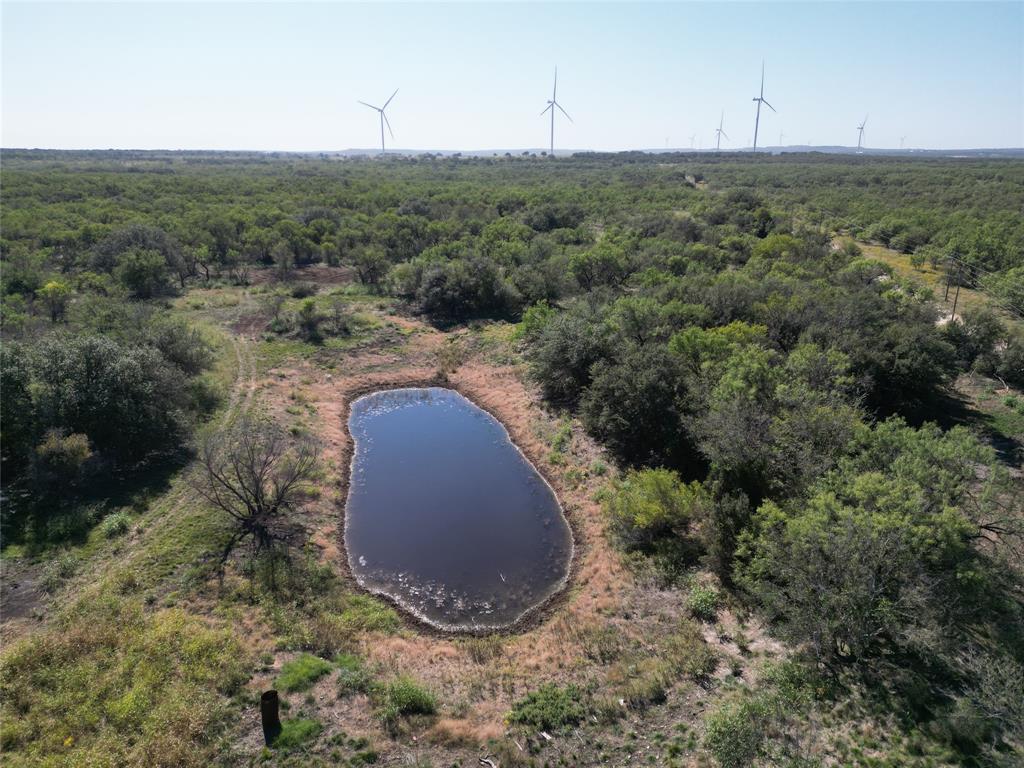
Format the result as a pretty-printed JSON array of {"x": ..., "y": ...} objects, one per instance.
[
  {"x": 760, "y": 100},
  {"x": 719, "y": 133},
  {"x": 860, "y": 132},
  {"x": 383, "y": 119},
  {"x": 781, "y": 135},
  {"x": 902, "y": 139},
  {"x": 552, "y": 103},
  {"x": 692, "y": 138}
]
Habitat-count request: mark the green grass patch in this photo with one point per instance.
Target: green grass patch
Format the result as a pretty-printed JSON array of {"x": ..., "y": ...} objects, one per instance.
[
  {"x": 295, "y": 733},
  {"x": 402, "y": 697},
  {"x": 367, "y": 614},
  {"x": 301, "y": 672},
  {"x": 113, "y": 685}
]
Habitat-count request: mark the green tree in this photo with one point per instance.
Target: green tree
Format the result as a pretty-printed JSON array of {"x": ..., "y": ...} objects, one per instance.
[
  {"x": 879, "y": 555},
  {"x": 143, "y": 273},
  {"x": 564, "y": 352},
  {"x": 633, "y": 405},
  {"x": 55, "y": 295}
]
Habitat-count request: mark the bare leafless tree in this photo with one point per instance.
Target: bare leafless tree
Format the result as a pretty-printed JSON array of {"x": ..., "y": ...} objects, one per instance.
[{"x": 255, "y": 472}]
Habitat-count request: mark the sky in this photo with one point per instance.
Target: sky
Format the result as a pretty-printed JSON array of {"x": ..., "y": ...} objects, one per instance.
[{"x": 287, "y": 76}]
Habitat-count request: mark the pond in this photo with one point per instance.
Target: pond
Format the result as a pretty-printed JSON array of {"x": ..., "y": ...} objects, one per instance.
[{"x": 446, "y": 516}]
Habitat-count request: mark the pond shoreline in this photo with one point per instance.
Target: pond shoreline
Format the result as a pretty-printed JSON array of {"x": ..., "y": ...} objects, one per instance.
[{"x": 530, "y": 618}]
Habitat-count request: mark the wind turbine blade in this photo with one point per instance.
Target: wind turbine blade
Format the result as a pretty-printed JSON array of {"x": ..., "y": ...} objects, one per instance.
[
  {"x": 769, "y": 106},
  {"x": 563, "y": 111},
  {"x": 549, "y": 106},
  {"x": 762, "y": 78},
  {"x": 865, "y": 121},
  {"x": 725, "y": 134},
  {"x": 554, "y": 90},
  {"x": 369, "y": 105},
  {"x": 389, "y": 100},
  {"x": 382, "y": 114}
]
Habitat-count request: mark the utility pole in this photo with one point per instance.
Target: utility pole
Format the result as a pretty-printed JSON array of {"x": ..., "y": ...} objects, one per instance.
[
  {"x": 956, "y": 296},
  {"x": 949, "y": 275}
]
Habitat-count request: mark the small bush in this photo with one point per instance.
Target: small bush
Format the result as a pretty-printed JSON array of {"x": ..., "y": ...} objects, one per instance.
[
  {"x": 353, "y": 676},
  {"x": 534, "y": 319},
  {"x": 61, "y": 456},
  {"x": 410, "y": 698},
  {"x": 402, "y": 697},
  {"x": 689, "y": 653},
  {"x": 734, "y": 734},
  {"x": 303, "y": 290},
  {"x": 651, "y": 504},
  {"x": 301, "y": 672},
  {"x": 58, "y": 571},
  {"x": 600, "y": 642},
  {"x": 115, "y": 525},
  {"x": 549, "y": 708},
  {"x": 483, "y": 649},
  {"x": 643, "y": 682},
  {"x": 295, "y": 733},
  {"x": 703, "y": 602}
]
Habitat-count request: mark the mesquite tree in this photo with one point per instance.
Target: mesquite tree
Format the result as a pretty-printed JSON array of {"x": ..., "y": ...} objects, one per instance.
[{"x": 256, "y": 473}]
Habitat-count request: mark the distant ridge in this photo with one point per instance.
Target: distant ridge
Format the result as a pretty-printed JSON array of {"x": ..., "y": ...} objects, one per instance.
[{"x": 1008, "y": 152}]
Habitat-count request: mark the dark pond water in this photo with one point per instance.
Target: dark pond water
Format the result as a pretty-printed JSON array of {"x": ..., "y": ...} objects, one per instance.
[{"x": 446, "y": 516}]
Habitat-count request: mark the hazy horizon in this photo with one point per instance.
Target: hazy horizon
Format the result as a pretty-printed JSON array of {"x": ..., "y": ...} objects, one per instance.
[{"x": 287, "y": 76}]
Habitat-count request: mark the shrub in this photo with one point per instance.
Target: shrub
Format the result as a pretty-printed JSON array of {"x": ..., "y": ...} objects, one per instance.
[
  {"x": 734, "y": 733},
  {"x": 483, "y": 649},
  {"x": 688, "y": 651},
  {"x": 301, "y": 672},
  {"x": 409, "y": 697},
  {"x": 534, "y": 319},
  {"x": 308, "y": 320},
  {"x": 62, "y": 457},
  {"x": 549, "y": 708},
  {"x": 643, "y": 682},
  {"x": 353, "y": 676},
  {"x": 563, "y": 353},
  {"x": 651, "y": 504},
  {"x": 402, "y": 697},
  {"x": 632, "y": 406},
  {"x": 703, "y": 602},
  {"x": 58, "y": 571},
  {"x": 115, "y": 525}
]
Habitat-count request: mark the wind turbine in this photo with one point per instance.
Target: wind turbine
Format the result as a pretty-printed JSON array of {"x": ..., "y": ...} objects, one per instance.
[
  {"x": 719, "y": 133},
  {"x": 860, "y": 132},
  {"x": 902, "y": 139},
  {"x": 781, "y": 134},
  {"x": 760, "y": 100},
  {"x": 552, "y": 103},
  {"x": 692, "y": 137},
  {"x": 383, "y": 119}
]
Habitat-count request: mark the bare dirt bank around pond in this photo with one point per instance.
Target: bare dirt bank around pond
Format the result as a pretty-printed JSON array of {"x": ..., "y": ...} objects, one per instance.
[{"x": 548, "y": 643}]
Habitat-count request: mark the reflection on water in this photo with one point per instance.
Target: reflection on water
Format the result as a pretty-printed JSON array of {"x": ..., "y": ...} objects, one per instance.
[{"x": 445, "y": 515}]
